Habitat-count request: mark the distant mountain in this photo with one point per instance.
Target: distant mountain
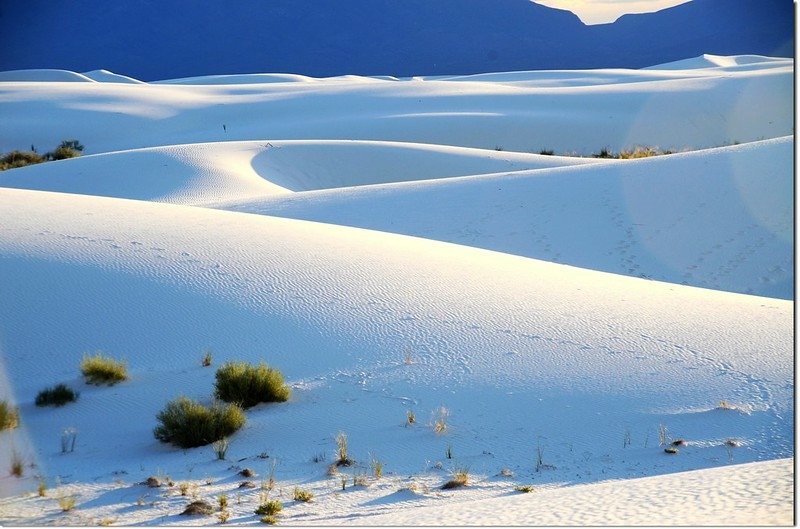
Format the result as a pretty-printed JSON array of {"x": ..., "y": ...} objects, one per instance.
[{"x": 157, "y": 39}]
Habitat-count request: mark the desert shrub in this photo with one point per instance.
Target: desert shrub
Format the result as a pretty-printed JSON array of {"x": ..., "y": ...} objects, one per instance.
[
  {"x": 56, "y": 396},
  {"x": 66, "y": 149},
  {"x": 9, "y": 416},
  {"x": 200, "y": 507},
  {"x": 547, "y": 152},
  {"x": 524, "y": 488},
  {"x": 640, "y": 152},
  {"x": 302, "y": 495},
  {"x": 671, "y": 450},
  {"x": 17, "y": 464},
  {"x": 269, "y": 520},
  {"x": 460, "y": 479},
  {"x": 269, "y": 508},
  {"x": 66, "y": 503},
  {"x": 248, "y": 385},
  {"x": 207, "y": 358},
  {"x": 605, "y": 152},
  {"x": 187, "y": 423},
  {"x": 15, "y": 159},
  {"x": 101, "y": 369},
  {"x": 342, "y": 460}
]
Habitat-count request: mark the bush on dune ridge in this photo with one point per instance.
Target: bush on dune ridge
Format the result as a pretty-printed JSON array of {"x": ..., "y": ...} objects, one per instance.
[
  {"x": 187, "y": 423},
  {"x": 101, "y": 369},
  {"x": 66, "y": 149},
  {"x": 248, "y": 385}
]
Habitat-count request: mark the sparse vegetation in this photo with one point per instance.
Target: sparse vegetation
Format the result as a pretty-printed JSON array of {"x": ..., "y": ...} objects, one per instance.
[
  {"x": 547, "y": 152},
  {"x": 411, "y": 417},
  {"x": 269, "y": 508},
  {"x": 638, "y": 151},
  {"x": 100, "y": 369},
  {"x": 68, "y": 438},
  {"x": 441, "y": 416},
  {"x": 207, "y": 358},
  {"x": 377, "y": 467},
  {"x": 223, "y": 502},
  {"x": 342, "y": 459},
  {"x": 679, "y": 442},
  {"x": 223, "y": 516},
  {"x": 671, "y": 450},
  {"x": 524, "y": 488},
  {"x": 269, "y": 520},
  {"x": 302, "y": 495},
  {"x": 17, "y": 464},
  {"x": 187, "y": 423},
  {"x": 247, "y": 472},
  {"x": 41, "y": 488},
  {"x": 9, "y": 416},
  {"x": 220, "y": 447},
  {"x": 198, "y": 507},
  {"x": 66, "y": 503},
  {"x": 56, "y": 396},
  {"x": 460, "y": 479},
  {"x": 15, "y": 159},
  {"x": 663, "y": 436},
  {"x": 248, "y": 385}
]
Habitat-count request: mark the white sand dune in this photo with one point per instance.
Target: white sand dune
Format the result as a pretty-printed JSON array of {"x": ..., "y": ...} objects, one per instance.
[
  {"x": 720, "y": 218},
  {"x": 38, "y": 76},
  {"x": 222, "y": 172},
  {"x": 348, "y": 232},
  {"x": 753, "y": 494},
  {"x": 676, "y": 112}
]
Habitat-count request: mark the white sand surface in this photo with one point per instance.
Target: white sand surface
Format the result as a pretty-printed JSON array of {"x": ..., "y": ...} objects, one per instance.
[{"x": 366, "y": 237}]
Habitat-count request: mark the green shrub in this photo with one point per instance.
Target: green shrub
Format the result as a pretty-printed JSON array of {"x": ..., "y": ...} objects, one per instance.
[
  {"x": 248, "y": 385},
  {"x": 15, "y": 159},
  {"x": 56, "y": 396},
  {"x": 9, "y": 416},
  {"x": 187, "y": 423},
  {"x": 66, "y": 149},
  {"x": 100, "y": 369},
  {"x": 269, "y": 508},
  {"x": 302, "y": 495}
]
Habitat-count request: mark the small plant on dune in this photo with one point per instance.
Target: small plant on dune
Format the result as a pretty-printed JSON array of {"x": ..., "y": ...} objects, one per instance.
[
  {"x": 269, "y": 508},
  {"x": 248, "y": 385},
  {"x": 220, "y": 447},
  {"x": 17, "y": 464},
  {"x": 199, "y": 507},
  {"x": 68, "y": 438},
  {"x": 460, "y": 479},
  {"x": 15, "y": 159},
  {"x": 342, "y": 460},
  {"x": 207, "y": 358},
  {"x": 449, "y": 452},
  {"x": 360, "y": 479},
  {"x": 663, "y": 436},
  {"x": 41, "y": 488},
  {"x": 269, "y": 520},
  {"x": 187, "y": 423},
  {"x": 671, "y": 450},
  {"x": 377, "y": 467},
  {"x": 605, "y": 152},
  {"x": 105, "y": 522},
  {"x": 411, "y": 417},
  {"x": 223, "y": 516},
  {"x": 640, "y": 152},
  {"x": 547, "y": 152},
  {"x": 524, "y": 488},
  {"x": 223, "y": 501},
  {"x": 9, "y": 416},
  {"x": 441, "y": 416},
  {"x": 183, "y": 488},
  {"x": 66, "y": 149},
  {"x": 56, "y": 396},
  {"x": 66, "y": 503},
  {"x": 302, "y": 495},
  {"x": 100, "y": 369}
]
